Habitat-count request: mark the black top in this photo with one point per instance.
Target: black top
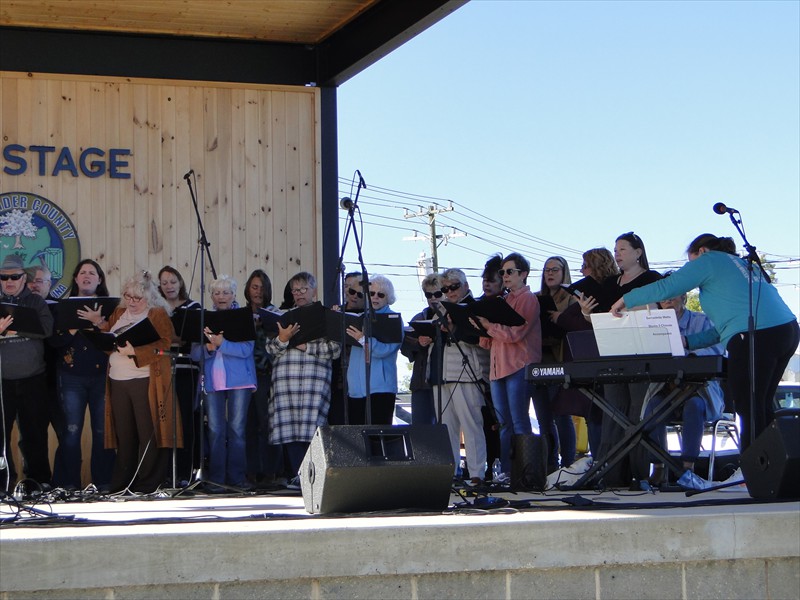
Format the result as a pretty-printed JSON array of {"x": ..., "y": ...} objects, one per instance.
[{"x": 613, "y": 291}]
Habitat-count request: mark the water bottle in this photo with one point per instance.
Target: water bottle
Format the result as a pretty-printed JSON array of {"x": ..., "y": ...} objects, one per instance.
[{"x": 497, "y": 470}]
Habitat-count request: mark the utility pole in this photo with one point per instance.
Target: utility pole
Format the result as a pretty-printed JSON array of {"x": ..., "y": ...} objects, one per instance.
[{"x": 432, "y": 236}]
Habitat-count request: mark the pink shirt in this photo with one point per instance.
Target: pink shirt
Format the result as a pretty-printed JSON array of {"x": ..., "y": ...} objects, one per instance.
[{"x": 512, "y": 348}]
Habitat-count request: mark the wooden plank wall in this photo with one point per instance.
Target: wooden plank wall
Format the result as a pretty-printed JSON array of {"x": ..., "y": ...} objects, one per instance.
[{"x": 255, "y": 150}]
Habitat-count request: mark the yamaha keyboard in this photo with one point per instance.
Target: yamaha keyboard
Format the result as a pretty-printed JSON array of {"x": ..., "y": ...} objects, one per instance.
[{"x": 628, "y": 369}]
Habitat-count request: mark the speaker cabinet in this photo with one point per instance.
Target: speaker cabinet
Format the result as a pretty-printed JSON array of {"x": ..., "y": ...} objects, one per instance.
[
  {"x": 528, "y": 462},
  {"x": 360, "y": 468},
  {"x": 771, "y": 465}
]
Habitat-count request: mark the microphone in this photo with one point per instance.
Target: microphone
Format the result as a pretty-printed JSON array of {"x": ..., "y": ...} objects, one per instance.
[
  {"x": 721, "y": 209},
  {"x": 361, "y": 183},
  {"x": 346, "y": 204},
  {"x": 158, "y": 352},
  {"x": 189, "y": 174}
]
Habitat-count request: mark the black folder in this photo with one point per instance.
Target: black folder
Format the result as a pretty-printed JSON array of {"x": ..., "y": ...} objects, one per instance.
[
  {"x": 333, "y": 325},
  {"x": 140, "y": 334},
  {"x": 496, "y": 310},
  {"x": 460, "y": 315},
  {"x": 426, "y": 327},
  {"x": 26, "y": 319},
  {"x": 269, "y": 319},
  {"x": 311, "y": 319},
  {"x": 386, "y": 327},
  {"x": 235, "y": 323},
  {"x": 317, "y": 322},
  {"x": 186, "y": 327},
  {"x": 67, "y": 311}
]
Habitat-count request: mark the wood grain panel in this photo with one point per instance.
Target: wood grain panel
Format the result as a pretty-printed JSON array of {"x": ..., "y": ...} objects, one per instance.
[
  {"x": 306, "y": 21},
  {"x": 254, "y": 149}
]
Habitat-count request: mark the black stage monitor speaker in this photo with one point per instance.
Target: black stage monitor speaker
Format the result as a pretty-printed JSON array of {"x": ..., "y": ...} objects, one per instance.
[
  {"x": 528, "y": 462},
  {"x": 771, "y": 465},
  {"x": 360, "y": 468}
]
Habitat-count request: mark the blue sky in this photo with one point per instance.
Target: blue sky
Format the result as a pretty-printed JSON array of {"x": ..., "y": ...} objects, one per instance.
[{"x": 555, "y": 126}]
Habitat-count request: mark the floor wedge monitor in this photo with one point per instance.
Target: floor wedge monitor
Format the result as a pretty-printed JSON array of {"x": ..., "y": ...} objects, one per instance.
[
  {"x": 362, "y": 468},
  {"x": 771, "y": 465}
]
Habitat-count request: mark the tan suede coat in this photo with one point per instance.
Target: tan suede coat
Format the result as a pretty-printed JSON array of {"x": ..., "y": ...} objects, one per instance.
[{"x": 160, "y": 388}]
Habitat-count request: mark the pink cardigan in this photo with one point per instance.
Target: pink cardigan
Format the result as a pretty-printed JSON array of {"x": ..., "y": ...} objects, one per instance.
[{"x": 512, "y": 348}]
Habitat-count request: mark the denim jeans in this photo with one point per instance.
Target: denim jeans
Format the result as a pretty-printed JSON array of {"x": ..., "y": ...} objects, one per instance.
[
  {"x": 567, "y": 439},
  {"x": 543, "y": 397},
  {"x": 511, "y": 396},
  {"x": 227, "y": 421},
  {"x": 694, "y": 420},
  {"x": 423, "y": 409},
  {"x": 77, "y": 393}
]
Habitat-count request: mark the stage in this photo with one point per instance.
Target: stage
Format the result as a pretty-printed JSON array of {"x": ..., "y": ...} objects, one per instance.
[{"x": 614, "y": 544}]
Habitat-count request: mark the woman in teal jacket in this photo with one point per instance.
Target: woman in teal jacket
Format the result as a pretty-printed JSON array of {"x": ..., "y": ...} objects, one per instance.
[{"x": 723, "y": 280}]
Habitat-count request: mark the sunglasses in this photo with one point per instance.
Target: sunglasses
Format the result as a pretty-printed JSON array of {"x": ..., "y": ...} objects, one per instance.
[
  {"x": 502, "y": 272},
  {"x": 353, "y": 292},
  {"x": 451, "y": 288},
  {"x": 378, "y": 294},
  {"x": 14, "y": 277},
  {"x": 436, "y": 294}
]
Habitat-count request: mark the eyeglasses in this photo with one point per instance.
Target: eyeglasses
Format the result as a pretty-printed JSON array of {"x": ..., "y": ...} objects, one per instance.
[
  {"x": 552, "y": 270},
  {"x": 40, "y": 281},
  {"x": 130, "y": 298},
  {"x": 299, "y": 291},
  {"x": 378, "y": 294},
  {"x": 14, "y": 277},
  {"x": 451, "y": 288},
  {"x": 222, "y": 293},
  {"x": 353, "y": 292},
  {"x": 436, "y": 294},
  {"x": 502, "y": 272}
]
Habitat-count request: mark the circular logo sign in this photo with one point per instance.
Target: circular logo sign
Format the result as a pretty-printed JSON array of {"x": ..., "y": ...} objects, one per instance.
[{"x": 39, "y": 232}]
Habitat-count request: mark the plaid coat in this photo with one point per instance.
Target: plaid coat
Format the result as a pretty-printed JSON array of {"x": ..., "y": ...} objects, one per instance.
[{"x": 301, "y": 389}]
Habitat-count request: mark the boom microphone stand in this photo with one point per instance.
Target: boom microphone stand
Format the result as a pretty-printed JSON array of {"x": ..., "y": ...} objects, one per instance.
[
  {"x": 752, "y": 259},
  {"x": 203, "y": 243},
  {"x": 351, "y": 207}
]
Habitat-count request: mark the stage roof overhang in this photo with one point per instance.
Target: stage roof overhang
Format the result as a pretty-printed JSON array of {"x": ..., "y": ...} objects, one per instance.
[{"x": 286, "y": 42}]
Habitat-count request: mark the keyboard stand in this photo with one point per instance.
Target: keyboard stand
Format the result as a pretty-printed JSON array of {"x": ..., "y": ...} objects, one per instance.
[{"x": 635, "y": 434}]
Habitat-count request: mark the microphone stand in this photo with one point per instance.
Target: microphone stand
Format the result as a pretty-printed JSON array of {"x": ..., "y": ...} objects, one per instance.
[
  {"x": 752, "y": 259},
  {"x": 340, "y": 275},
  {"x": 439, "y": 349},
  {"x": 465, "y": 362},
  {"x": 345, "y": 356},
  {"x": 173, "y": 362},
  {"x": 203, "y": 243}
]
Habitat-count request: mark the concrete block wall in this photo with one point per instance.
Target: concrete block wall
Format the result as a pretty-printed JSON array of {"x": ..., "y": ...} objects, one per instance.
[{"x": 748, "y": 551}]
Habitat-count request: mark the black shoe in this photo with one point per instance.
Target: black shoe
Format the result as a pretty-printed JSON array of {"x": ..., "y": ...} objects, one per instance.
[{"x": 213, "y": 488}]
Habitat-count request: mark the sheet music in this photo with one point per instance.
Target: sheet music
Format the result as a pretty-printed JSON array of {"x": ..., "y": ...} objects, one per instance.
[{"x": 638, "y": 332}]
